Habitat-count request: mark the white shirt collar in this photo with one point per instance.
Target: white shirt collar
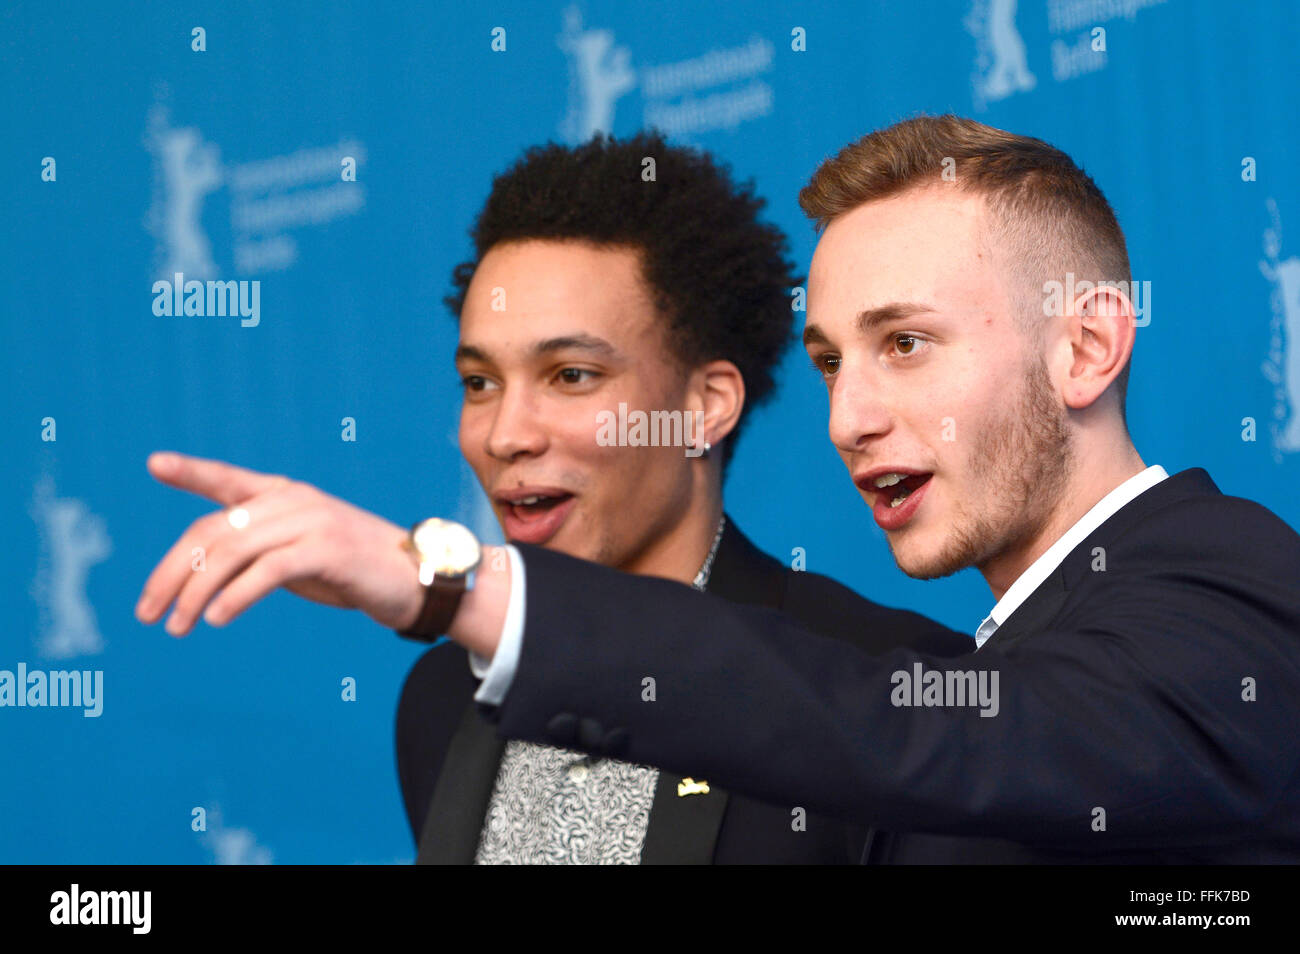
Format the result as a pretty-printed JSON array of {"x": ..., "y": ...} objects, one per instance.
[{"x": 1046, "y": 564}]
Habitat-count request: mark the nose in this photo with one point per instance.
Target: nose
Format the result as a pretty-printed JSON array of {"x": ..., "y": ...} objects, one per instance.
[
  {"x": 858, "y": 411},
  {"x": 517, "y": 426}
]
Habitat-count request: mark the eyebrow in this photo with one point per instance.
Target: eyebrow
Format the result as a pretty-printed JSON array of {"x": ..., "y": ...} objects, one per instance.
[
  {"x": 582, "y": 342},
  {"x": 578, "y": 342},
  {"x": 870, "y": 318}
]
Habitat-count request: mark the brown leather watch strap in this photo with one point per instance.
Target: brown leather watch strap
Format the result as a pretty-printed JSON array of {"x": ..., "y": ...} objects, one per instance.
[{"x": 439, "y": 609}]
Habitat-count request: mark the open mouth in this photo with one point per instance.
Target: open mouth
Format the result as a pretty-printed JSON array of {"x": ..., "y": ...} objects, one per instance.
[
  {"x": 896, "y": 488},
  {"x": 534, "y": 514},
  {"x": 534, "y": 506}
]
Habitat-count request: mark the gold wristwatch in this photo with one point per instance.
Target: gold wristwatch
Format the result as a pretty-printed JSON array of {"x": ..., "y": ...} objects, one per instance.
[{"x": 446, "y": 553}]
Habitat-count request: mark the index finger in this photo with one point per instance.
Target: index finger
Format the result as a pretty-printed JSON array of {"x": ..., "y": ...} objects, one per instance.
[{"x": 214, "y": 479}]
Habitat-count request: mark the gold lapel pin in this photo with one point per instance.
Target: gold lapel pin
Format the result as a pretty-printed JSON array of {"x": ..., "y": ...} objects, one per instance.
[{"x": 688, "y": 786}]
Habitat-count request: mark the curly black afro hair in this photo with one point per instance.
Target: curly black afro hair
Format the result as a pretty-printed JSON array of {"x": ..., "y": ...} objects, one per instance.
[{"x": 720, "y": 277}]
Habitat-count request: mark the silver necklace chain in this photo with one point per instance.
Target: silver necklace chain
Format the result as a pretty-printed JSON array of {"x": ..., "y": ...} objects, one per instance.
[{"x": 702, "y": 578}]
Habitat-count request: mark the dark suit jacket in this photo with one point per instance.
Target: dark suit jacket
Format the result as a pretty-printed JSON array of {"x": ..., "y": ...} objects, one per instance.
[
  {"x": 448, "y": 754},
  {"x": 1148, "y": 711}
]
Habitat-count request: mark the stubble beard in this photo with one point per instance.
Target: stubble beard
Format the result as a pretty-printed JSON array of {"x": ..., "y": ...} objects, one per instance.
[{"x": 1022, "y": 463}]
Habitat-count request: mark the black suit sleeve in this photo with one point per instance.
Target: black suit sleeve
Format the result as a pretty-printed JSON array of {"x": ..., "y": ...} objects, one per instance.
[
  {"x": 832, "y": 609},
  {"x": 1132, "y": 702}
]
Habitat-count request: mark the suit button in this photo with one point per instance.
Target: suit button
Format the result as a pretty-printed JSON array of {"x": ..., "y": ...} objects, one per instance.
[
  {"x": 590, "y": 733},
  {"x": 563, "y": 728},
  {"x": 578, "y": 771}
]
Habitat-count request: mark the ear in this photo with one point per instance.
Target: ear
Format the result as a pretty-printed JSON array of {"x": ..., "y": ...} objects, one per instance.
[
  {"x": 1101, "y": 328},
  {"x": 718, "y": 389}
]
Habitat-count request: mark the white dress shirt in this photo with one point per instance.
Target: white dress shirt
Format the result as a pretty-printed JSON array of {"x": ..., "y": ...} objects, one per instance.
[
  {"x": 498, "y": 675},
  {"x": 1046, "y": 564}
]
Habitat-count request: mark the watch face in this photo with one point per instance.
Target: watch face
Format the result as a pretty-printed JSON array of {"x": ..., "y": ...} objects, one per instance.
[{"x": 446, "y": 548}]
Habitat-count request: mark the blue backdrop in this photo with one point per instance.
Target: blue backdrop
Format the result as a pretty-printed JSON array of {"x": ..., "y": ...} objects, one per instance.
[{"x": 136, "y": 148}]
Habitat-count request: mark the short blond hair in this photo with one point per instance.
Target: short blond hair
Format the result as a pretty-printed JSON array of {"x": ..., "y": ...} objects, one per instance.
[{"x": 1046, "y": 213}]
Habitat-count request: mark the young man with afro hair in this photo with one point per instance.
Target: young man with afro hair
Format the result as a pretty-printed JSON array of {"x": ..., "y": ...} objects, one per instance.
[{"x": 618, "y": 274}]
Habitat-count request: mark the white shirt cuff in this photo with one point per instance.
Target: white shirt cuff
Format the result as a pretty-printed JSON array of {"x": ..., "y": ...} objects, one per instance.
[{"x": 498, "y": 674}]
